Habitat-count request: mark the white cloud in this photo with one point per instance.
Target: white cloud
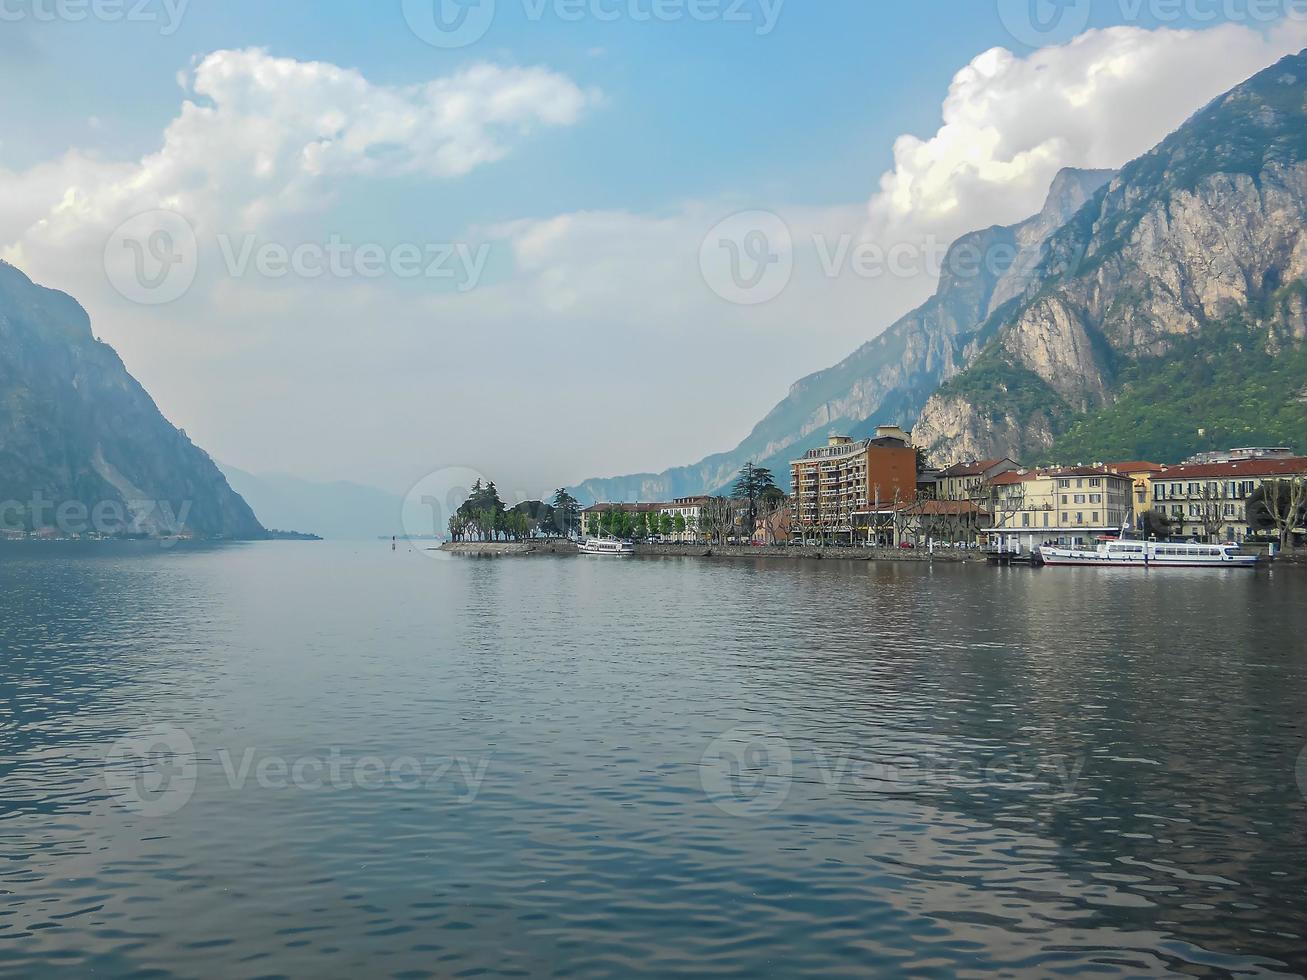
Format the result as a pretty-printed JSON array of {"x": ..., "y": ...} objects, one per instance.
[
  {"x": 1010, "y": 123},
  {"x": 263, "y": 135}
]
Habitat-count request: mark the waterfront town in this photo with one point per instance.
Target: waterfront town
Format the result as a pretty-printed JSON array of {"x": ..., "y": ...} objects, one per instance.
[{"x": 879, "y": 492}]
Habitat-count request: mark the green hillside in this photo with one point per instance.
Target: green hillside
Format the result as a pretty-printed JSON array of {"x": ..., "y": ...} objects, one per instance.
[{"x": 1228, "y": 380}]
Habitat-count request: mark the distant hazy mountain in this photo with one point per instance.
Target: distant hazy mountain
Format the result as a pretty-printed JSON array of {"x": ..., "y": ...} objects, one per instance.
[
  {"x": 77, "y": 431},
  {"x": 889, "y": 379},
  {"x": 340, "y": 511},
  {"x": 1170, "y": 313}
]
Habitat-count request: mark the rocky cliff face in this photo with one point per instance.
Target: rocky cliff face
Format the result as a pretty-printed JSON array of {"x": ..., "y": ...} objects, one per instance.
[
  {"x": 1206, "y": 227},
  {"x": 82, "y": 446},
  {"x": 887, "y": 380}
]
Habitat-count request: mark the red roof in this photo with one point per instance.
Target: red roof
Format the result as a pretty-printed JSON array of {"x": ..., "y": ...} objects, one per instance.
[
  {"x": 1292, "y": 466},
  {"x": 1015, "y": 477},
  {"x": 1136, "y": 466},
  {"x": 1066, "y": 471},
  {"x": 974, "y": 468}
]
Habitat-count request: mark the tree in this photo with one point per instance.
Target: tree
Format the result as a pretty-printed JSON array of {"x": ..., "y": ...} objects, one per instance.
[
  {"x": 923, "y": 460},
  {"x": 1279, "y": 507},
  {"x": 482, "y": 511},
  {"x": 680, "y": 526},
  {"x": 1155, "y": 524},
  {"x": 1003, "y": 502},
  {"x": 753, "y": 482},
  {"x": 567, "y": 512},
  {"x": 717, "y": 519},
  {"x": 623, "y": 524},
  {"x": 771, "y": 502},
  {"x": 1209, "y": 510}
]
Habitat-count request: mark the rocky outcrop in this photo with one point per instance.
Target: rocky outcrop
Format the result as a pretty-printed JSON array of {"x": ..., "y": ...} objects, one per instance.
[
  {"x": 83, "y": 448},
  {"x": 1208, "y": 225},
  {"x": 887, "y": 380}
]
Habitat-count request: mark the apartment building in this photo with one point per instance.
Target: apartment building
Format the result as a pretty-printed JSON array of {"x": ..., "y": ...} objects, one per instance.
[
  {"x": 963, "y": 481},
  {"x": 1141, "y": 476},
  {"x": 691, "y": 509},
  {"x": 836, "y": 481},
  {"x": 1071, "y": 505},
  {"x": 1210, "y": 500}
]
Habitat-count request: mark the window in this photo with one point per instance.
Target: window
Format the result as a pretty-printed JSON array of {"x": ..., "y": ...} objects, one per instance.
[
  {"x": 1080, "y": 498},
  {"x": 1025, "y": 520},
  {"x": 1045, "y": 520},
  {"x": 1095, "y": 517},
  {"x": 1064, "y": 484},
  {"x": 1096, "y": 482},
  {"x": 1065, "y": 500},
  {"x": 1095, "y": 498}
]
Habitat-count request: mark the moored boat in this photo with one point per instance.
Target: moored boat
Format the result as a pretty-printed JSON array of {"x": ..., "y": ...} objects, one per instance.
[
  {"x": 1127, "y": 553},
  {"x": 606, "y": 546}
]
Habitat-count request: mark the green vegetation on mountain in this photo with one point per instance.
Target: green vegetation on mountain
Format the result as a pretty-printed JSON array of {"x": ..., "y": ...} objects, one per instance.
[
  {"x": 1006, "y": 390},
  {"x": 1229, "y": 385}
]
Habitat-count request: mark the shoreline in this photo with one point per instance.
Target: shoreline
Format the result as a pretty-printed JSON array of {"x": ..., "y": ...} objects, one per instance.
[{"x": 522, "y": 549}]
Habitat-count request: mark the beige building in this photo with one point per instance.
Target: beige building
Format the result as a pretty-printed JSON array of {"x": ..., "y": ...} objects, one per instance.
[
  {"x": 1141, "y": 477},
  {"x": 963, "y": 481},
  {"x": 1210, "y": 500},
  {"x": 691, "y": 509},
  {"x": 833, "y": 483},
  {"x": 1072, "y": 505}
]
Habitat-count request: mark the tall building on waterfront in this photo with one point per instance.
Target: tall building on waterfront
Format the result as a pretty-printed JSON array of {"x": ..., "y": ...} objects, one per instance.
[{"x": 844, "y": 477}]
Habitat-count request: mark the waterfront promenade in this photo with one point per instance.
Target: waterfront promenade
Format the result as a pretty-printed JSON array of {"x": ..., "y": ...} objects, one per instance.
[{"x": 504, "y": 549}]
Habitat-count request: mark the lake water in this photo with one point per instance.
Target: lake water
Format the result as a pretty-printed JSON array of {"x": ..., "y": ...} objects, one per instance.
[{"x": 335, "y": 760}]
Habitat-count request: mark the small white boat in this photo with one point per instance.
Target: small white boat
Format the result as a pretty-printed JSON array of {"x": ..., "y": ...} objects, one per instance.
[
  {"x": 606, "y": 546},
  {"x": 1126, "y": 553}
]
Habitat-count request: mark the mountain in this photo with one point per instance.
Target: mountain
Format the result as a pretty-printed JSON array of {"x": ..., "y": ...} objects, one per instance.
[
  {"x": 887, "y": 380},
  {"x": 1169, "y": 314},
  {"x": 82, "y": 446},
  {"x": 339, "y": 511}
]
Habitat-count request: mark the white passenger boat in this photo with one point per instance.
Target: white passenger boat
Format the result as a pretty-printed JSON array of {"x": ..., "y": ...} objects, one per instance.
[
  {"x": 606, "y": 546},
  {"x": 1126, "y": 553}
]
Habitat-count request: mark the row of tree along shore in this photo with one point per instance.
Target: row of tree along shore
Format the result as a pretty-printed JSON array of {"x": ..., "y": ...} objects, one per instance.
[{"x": 754, "y": 501}]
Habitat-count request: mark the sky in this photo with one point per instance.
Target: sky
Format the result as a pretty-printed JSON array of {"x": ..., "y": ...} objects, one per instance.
[{"x": 548, "y": 240}]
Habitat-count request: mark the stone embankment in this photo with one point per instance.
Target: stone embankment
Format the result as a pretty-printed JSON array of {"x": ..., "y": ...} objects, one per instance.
[
  {"x": 809, "y": 552},
  {"x": 503, "y": 549}
]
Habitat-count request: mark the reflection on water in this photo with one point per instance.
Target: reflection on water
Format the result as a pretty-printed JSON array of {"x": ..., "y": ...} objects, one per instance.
[{"x": 339, "y": 760}]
